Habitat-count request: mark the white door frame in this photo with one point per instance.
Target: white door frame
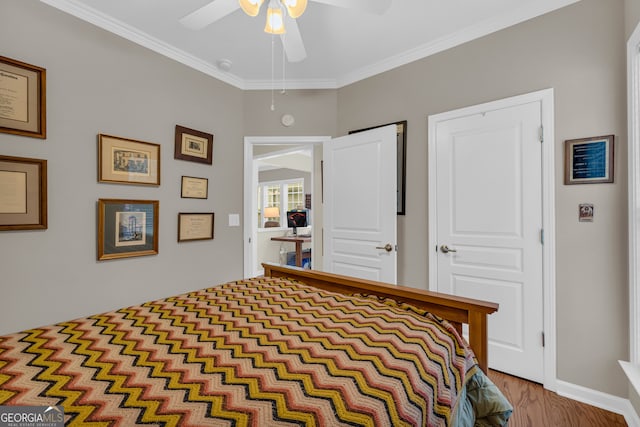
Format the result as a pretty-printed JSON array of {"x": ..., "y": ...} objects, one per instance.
[
  {"x": 250, "y": 222},
  {"x": 548, "y": 211}
]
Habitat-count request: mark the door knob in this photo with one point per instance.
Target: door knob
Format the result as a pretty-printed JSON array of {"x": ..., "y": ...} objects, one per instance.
[
  {"x": 445, "y": 249},
  {"x": 386, "y": 247}
]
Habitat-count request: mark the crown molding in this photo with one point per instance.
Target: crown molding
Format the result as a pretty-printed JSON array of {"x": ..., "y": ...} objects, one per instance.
[{"x": 88, "y": 14}]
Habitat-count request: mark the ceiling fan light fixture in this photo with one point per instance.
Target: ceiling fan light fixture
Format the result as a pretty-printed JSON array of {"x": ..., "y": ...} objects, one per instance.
[
  {"x": 251, "y": 7},
  {"x": 295, "y": 8},
  {"x": 275, "y": 21}
]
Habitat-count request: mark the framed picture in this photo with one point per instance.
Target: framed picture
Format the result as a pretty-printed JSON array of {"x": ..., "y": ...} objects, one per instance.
[
  {"x": 195, "y": 226},
  {"x": 588, "y": 160},
  {"x": 193, "y": 145},
  {"x": 127, "y": 228},
  {"x": 23, "y": 193},
  {"x": 194, "y": 188},
  {"x": 401, "y": 135},
  {"x": 23, "y": 107},
  {"x": 127, "y": 161}
]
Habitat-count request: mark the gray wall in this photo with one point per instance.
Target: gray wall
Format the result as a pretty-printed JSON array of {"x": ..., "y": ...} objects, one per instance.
[
  {"x": 98, "y": 82},
  {"x": 580, "y": 52}
]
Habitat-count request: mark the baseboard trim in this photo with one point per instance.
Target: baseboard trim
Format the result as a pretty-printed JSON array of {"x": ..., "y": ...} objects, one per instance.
[{"x": 600, "y": 400}]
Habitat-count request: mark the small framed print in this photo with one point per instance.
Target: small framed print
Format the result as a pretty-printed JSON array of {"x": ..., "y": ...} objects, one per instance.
[
  {"x": 23, "y": 106},
  {"x": 127, "y": 228},
  {"x": 23, "y": 193},
  {"x": 194, "y": 188},
  {"x": 127, "y": 161},
  {"x": 193, "y": 145},
  {"x": 589, "y": 160},
  {"x": 195, "y": 226}
]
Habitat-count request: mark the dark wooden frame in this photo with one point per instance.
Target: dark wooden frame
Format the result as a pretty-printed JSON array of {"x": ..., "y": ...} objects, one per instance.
[
  {"x": 182, "y": 194},
  {"x": 570, "y": 146},
  {"x": 41, "y": 99},
  {"x": 457, "y": 310},
  {"x": 179, "y": 154},
  {"x": 106, "y": 228},
  {"x": 105, "y": 157},
  {"x": 182, "y": 238},
  {"x": 34, "y": 204},
  {"x": 401, "y": 186}
]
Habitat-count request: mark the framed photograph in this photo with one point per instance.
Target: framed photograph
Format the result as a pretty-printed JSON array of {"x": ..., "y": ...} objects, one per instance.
[
  {"x": 194, "y": 188},
  {"x": 195, "y": 226},
  {"x": 127, "y": 228},
  {"x": 401, "y": 135},
  {"x": 23, "y": 193},
  {"x": 23, "y": 107},
  {"x": 588, "y": 160},
  {"x": 193, "y": 145},
  {"x": 127, "y": 161}
]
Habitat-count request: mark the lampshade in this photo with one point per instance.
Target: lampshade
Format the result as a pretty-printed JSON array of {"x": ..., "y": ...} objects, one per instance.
[
  {"x": 275, "y": 21},
  {"x": 295, "y": 7},
  {"x": 272, "y": 212},
  {"x": 251, "y": 7}
]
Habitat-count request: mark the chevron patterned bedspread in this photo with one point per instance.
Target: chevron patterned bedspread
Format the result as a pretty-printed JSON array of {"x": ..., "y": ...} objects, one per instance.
[{"x": 260, "y": 352}]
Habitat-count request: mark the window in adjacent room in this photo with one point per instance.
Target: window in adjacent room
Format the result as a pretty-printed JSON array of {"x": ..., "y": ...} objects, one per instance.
[{"x": 284, "y": 195}]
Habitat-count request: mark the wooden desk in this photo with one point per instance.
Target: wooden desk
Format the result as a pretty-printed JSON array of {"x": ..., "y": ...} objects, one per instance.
[{"x": 298, "y": 241}]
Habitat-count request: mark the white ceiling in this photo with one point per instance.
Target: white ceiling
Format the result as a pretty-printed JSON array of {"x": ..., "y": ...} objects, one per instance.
[{"x": 343, "y": 46}]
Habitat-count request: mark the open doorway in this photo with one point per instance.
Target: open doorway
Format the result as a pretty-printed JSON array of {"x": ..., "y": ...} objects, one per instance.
[{"x": 282, "y": 175}]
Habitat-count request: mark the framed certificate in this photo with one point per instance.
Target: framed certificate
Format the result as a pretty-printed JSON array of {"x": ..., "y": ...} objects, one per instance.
[
  {"x": 589, "y": 160},
  {"x": 22, "y": 99},
  {"x": 195, "y": 226},
  {"x": 194, "y": 188},
  {"x": 23, "y": 193}
]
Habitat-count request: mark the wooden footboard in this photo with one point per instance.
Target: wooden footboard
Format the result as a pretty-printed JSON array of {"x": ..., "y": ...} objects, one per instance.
[{"x": 457, "y": 310}]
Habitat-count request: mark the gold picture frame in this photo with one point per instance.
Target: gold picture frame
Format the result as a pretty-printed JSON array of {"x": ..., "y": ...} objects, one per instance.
[
  {"x": 194, "y": 188},
  {"x": 195, "y": 226},
  {"x": 193, "y": 145},
  {"x": 23, "y": 199},
  {"x": 128, "y": 161},
  {"x": 127, "y": 228},
  {"x": 23, "y": 106}
]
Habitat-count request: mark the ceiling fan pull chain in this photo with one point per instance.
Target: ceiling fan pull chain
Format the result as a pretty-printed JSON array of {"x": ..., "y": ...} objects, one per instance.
[
  {"x": 273, "y": 103},
  {"x": 284, "y": 81}
]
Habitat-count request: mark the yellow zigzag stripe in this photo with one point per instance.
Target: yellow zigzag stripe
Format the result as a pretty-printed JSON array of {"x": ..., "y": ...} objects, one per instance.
[{"x": 329, "y": 363}]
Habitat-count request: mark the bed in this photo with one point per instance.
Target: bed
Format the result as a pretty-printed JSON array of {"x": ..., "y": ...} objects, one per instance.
[{"x": 295, "y": 347}]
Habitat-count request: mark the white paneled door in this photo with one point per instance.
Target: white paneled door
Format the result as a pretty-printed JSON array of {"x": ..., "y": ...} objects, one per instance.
[
  {"x": 489, "y": 226},
  {"x": 360, "y": 206}
]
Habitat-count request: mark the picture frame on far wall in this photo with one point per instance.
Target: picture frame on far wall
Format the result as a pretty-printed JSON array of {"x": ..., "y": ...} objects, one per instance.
[
  {"x": 23, "y": 106},
  {"x": 401, "y": 135},
  {"x": 128, "y": 161},
  {"x": 23, "y": 193},
  {"x": 195, "y": 226},
  {"x": 194, "y": 188},
  {"x": 127, "y": 228},
  {"x": 193, "y": 145},
  {"x": 589, "y": 160}
]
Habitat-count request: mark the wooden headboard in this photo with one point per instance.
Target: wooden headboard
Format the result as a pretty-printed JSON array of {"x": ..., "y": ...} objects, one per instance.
[{"x": 457, "y": 310}]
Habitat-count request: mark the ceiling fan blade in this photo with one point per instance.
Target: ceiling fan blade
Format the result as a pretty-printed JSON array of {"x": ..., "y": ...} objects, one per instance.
[
  {"x": 292, "y": 41},
  {"x": 372, "y": 6},
  {"x": 217, "y": 9}
]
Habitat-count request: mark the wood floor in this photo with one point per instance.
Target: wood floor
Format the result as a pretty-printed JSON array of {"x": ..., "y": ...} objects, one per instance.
[{"x": 536, "y": 407}]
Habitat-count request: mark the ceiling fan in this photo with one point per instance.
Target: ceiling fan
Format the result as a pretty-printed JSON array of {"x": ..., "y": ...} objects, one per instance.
[{"x": 291, "y": 40}]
